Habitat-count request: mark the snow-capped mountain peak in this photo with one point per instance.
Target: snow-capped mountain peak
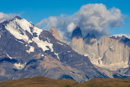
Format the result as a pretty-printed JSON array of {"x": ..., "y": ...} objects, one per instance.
[
  {"x": 121, "y": 35},
  {"x": 19, "y": 24},
  {"x": 24, "y": 24},
  {"x": 21, "y": 29}
]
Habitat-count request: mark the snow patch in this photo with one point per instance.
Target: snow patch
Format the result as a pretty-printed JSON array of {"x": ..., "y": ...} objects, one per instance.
[
  {"x": 30, "y": 50},
  {"x": 43, "y": 44},
  {"x": 9, "y": 56},
  {"x": 19, "y": 66},
  {"x": 30, "y": 41},
  {"x": 60, "y": 43},
  {"x": 37, "y": 30},
  {"x": 57, "y": 55},
  {"x": 48, "y": 40},
  {"x": 42, "y": 55},
  {"x": 86, "y": 55},
  {"x": 24, "y": 24},
  {"x": 15, "y": 31},
  {"x": 19, "y": 41},
  {"x": 68, "y": 51}
]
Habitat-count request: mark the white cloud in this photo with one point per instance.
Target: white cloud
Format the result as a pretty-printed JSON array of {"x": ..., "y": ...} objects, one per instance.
[
  {"x": 96, "y": 18},
  {"x": 71, "y": 27},
  {"x": 47, "y": 23},
  {"x": 4, "y": 17},
  {"x": 91, "y": 18}
]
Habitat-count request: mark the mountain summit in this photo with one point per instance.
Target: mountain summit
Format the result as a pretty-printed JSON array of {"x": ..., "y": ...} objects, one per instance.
[
  {"x": 77, "y": 33},
  {"x": 55, "y": 33},
  {"x": 77, "y": 40}
]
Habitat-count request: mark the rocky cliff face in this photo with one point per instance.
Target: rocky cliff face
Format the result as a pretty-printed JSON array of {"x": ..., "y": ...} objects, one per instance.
[
  {"x": 55, "y": 33},
  {"x": 91, "y": 47},
  {"x": 110, "y": 53},
  {"x": 77, "y": 42},
  {"x": 87, "y": 46},
  {"x": 114, "y": 54}
]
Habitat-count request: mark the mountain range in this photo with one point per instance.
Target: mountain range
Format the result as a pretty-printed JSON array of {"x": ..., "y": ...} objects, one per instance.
[
  {"x": 28, "y": 51},
  {"x": 109, "y": 54}
]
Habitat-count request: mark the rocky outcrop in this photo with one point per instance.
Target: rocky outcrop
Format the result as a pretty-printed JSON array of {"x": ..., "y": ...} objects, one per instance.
[
  {"x": 91, "y": 47},
  {"x": 87, "y": 46},
  {"x": 111, "y": 53},
  {"x": 55, "y": 33},
  {"x": 77, "y": 42},
  {"x": 114, "y": 54}
]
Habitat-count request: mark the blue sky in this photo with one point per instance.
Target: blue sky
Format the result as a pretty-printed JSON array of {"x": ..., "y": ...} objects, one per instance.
[{"x": 36, "y": 10}]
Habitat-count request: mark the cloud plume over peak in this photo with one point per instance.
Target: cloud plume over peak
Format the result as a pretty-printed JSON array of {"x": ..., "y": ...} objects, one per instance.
[
  {"x": 91, "y": 18},
  {"x": 6, "y": 17}
]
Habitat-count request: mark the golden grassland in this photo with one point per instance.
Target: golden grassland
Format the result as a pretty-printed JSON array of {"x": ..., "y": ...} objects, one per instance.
[{"x": 46, "y": 82}]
